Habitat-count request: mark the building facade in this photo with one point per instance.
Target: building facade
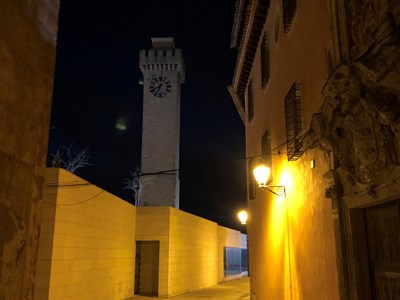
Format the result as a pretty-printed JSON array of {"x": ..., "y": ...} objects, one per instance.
[{"x": 317, "y": 86}]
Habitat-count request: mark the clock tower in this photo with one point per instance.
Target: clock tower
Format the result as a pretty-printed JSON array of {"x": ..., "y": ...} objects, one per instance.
[{"x": 163, "y": 73}]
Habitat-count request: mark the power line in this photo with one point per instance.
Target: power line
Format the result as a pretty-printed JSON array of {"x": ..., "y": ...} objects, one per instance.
[
  {"x": 277, "y": 148},
  {"x": 80, "y": 183},
  {"x": 76, "y": 203}
]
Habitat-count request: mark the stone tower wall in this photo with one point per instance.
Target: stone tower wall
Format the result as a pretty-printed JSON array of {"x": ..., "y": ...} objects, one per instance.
[{"x": 161, "y": 127}]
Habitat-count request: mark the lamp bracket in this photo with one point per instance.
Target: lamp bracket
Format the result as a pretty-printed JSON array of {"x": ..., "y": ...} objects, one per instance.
[{"x": 278, "y": 190}]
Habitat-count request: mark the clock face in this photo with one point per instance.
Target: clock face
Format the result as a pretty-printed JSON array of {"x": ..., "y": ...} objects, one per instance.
[{"x": 160, "y": 86}]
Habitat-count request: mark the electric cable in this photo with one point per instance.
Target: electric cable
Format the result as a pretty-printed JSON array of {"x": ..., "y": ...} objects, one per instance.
[{"x": 76, "y": 203}]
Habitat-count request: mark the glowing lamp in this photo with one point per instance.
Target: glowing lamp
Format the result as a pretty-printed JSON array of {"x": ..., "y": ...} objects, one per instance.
[
  {"x": 261, "y": 175},
  {"x": 242, "y": 215}
]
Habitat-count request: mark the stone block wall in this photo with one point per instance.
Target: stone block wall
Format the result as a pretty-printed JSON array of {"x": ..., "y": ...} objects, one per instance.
[
  {"x": 152, "y": 224},
  {"x": 193, "y": 253},
  {"x": 28, "y": 32},
  {"x": 87, "y": 241},
  {"x": 191, "y": 248}
]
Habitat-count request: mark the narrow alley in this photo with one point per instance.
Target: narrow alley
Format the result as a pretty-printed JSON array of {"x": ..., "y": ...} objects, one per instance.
[{"x": 237, "y": 289}]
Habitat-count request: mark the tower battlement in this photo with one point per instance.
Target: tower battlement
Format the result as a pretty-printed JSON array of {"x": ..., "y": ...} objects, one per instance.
[{"x": 163, "y": 57}]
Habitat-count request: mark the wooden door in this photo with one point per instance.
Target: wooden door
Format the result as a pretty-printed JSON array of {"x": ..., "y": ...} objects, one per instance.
[
  {"x": 147, "y": 267},
  {"x": 383, "y": 238}
]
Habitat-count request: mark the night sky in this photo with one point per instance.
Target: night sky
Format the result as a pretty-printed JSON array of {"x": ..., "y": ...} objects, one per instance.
[{"x": 96, "y": 84}]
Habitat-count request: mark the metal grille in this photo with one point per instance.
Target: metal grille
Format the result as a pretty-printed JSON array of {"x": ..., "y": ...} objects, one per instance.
[
  {"x": 235, "y": 261},
  {"x": 289, "y": 9},
  {"x": 232, "y": 261},
  {"x": 294, "y": 123},
  {"x": 244, "y": 260},
  {"x": 265, "y": 70}
]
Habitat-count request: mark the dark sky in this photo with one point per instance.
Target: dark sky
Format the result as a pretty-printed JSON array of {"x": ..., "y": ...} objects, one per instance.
[{"x": 96, "y": 83}]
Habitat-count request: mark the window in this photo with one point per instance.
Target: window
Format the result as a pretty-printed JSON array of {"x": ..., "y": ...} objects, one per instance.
[
  {"x": 250, "y": 101},
  {"x": 266, "y": 148},
  {"x": 265, "y": 61},
  {"x": 251, "y": 182},
  {"x": 294, "y": 123},
  {"x": 289, "y": 9}
]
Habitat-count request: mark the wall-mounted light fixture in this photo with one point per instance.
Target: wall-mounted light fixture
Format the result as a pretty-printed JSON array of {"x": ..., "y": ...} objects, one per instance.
[
  {"x": 261, "y": 175},
  {"x": 242, "y": 216}
]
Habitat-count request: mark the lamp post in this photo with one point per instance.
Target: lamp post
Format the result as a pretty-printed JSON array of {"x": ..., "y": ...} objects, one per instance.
[{"x": 243, "y": 216}]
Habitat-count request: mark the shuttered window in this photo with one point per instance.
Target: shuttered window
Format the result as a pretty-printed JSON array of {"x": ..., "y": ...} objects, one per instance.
[{"x": 265, "y": 70}]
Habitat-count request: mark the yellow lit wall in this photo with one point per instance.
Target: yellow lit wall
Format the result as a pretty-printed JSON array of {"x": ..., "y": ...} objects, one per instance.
[
  {"x": 292, "y": 243},
  {"x": 191, "y": 248},
  {"x": 193, "y": 252},
  {"x": 87, "y": 241},
  {"x": 292, "y": 250},
  {"x": 152, "y": 224},
  {"x": 88, "y": 244}
]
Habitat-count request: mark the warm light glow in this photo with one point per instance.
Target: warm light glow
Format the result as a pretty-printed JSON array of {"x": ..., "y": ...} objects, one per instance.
[
  {"x": 242, "y": 215},
  {"x": 286, "y": 180},
  {"x": 261, "y": 174}
]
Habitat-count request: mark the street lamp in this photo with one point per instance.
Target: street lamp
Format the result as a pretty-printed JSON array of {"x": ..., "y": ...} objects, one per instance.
[
  {"x": 242, "y": 215},
  {"x": 261, "y": 174}
]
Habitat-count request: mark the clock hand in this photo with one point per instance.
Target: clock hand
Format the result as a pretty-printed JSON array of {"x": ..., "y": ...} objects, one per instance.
[{"x": 158, "y": 87}]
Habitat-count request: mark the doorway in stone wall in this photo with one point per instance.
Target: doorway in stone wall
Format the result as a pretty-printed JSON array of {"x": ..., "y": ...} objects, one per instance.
[
  {"x": 147, "y": 267},
  {"x": 382, "y": 225}
]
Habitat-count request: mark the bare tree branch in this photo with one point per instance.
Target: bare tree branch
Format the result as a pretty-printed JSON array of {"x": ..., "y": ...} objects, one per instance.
[
  {"x": 71, "y": 160},
  {"x": 76, "y": 160},
  {"x": 57, "y": 161},
  {"x": 133, "y": 183}
]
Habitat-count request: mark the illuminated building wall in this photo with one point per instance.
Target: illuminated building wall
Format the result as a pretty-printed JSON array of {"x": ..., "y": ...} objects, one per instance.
[
  {"x": 95, "y": 245},
  {"x": 277, "y": 87}
]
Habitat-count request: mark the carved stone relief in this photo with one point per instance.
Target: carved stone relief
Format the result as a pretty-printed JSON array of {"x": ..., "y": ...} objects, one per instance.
[
  {"x": 375, "y": 39},
  {"x": 357, "y": 123}
]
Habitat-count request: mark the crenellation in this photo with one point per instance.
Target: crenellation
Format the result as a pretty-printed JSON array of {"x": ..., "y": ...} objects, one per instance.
[{"x": 160, "y": 67}]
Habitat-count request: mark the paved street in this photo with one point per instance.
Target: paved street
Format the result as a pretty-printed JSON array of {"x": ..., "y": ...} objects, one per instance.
[{"x": 237, "y": 289}]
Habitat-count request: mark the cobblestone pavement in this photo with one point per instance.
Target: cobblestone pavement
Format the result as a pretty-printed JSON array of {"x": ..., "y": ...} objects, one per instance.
[{"x": 237, "y": 289}]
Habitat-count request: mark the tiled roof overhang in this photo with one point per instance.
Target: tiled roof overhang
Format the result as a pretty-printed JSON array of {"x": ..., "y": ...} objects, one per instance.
[{"x": 257, "y": 11}]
